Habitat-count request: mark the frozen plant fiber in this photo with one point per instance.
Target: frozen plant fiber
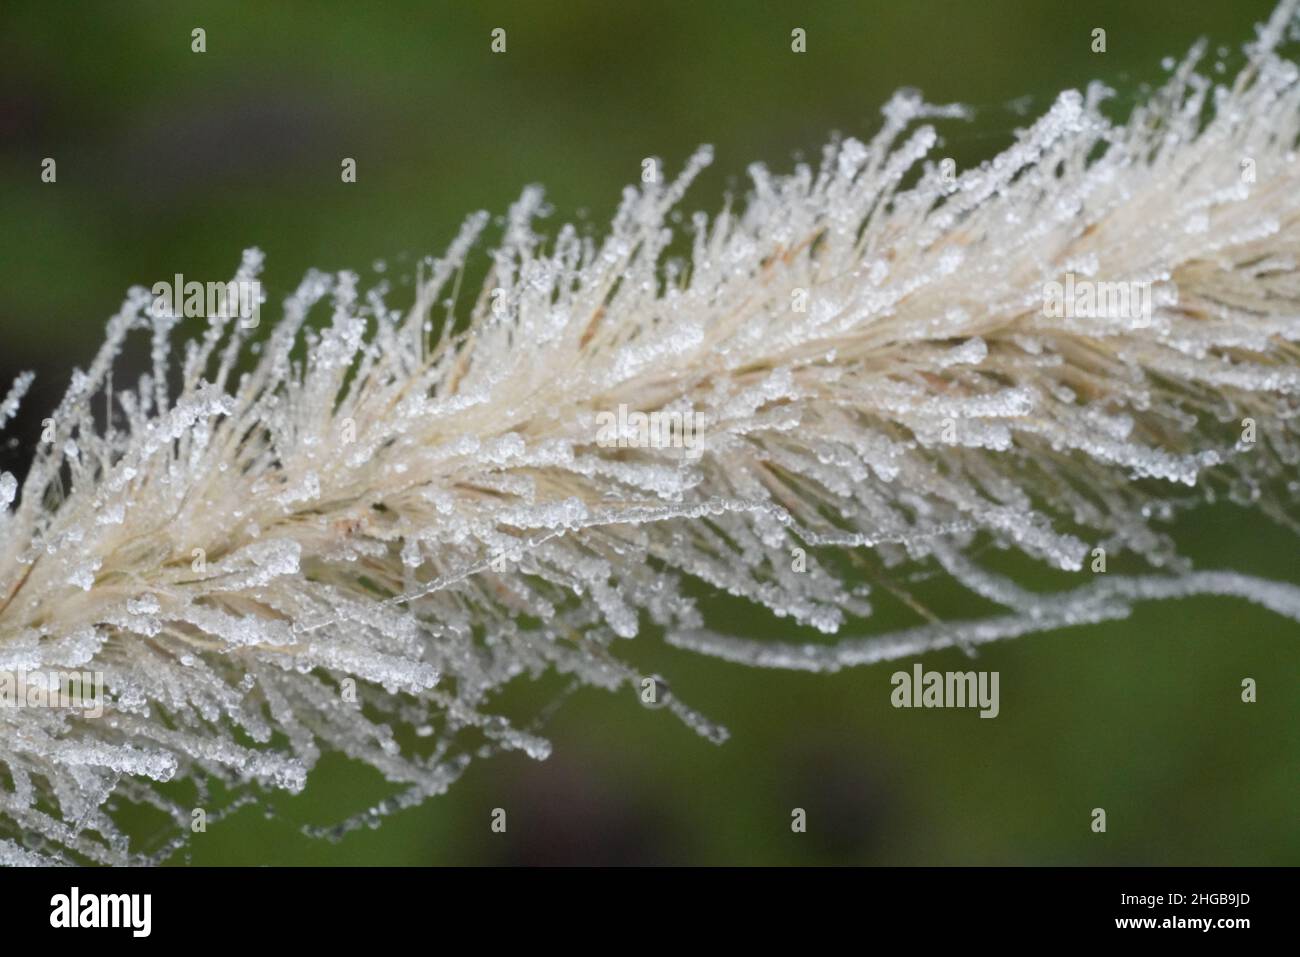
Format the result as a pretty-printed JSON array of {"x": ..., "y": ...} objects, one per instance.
[{"x": 351, "y": 538}]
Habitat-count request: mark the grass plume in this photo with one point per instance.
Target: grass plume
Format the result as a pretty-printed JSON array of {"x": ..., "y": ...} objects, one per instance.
[{"x": 352, "y": 538}]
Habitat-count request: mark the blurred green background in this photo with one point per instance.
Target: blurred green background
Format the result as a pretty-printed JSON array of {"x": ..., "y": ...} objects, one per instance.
[{"x": 171, "y": 161}]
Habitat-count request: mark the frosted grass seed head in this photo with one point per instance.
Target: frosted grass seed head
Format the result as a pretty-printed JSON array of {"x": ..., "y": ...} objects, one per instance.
[{"x": 356, "y": 550}]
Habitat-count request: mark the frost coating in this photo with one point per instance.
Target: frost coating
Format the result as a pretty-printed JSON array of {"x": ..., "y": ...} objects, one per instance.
[{"x": 355, "y": 551}]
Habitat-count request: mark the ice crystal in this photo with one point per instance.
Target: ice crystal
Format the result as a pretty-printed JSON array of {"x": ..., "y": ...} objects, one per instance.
[{"x": 355, "y": 550}]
